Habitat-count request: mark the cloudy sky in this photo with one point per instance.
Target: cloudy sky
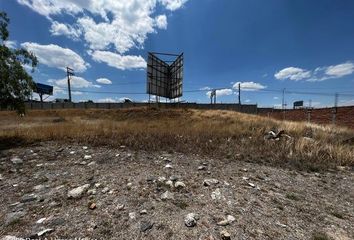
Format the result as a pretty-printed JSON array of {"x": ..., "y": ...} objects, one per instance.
[{"x": 303, "y": 46}]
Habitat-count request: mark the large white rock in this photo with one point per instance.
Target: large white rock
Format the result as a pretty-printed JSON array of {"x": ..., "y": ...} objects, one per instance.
[
  {"x": 191, "y": 220},
  {"x": 78, "y": 192}
]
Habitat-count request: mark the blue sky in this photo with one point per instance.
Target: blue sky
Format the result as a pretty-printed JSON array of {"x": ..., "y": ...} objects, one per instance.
[{"x": 266, "y": 46}]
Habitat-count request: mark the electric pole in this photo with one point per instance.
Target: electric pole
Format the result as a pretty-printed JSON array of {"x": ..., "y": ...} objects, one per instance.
[
  {"x": 283, "y": 103},
  {"x": 335, "y": 108},
  {"x": 239, "y": 94},
  {"x": 69, "y": 73}
]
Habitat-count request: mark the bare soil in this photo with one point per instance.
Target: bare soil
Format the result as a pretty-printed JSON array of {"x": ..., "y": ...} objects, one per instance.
[{"x": 280, "y": 204}]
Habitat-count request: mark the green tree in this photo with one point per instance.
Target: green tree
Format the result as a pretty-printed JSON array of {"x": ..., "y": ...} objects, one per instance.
[{"x": 16, "y": 84}]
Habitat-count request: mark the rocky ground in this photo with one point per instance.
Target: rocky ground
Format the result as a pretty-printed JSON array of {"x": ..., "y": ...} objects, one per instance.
[{"x": 56, "y": 190}]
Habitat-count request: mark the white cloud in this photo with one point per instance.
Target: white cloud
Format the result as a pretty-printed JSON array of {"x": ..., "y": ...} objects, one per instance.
[
  {"x": 119, "y": 61},
  {"x": 75, "y": 82},
  {"x": 249, "y": 86},
  {"x": 221, "y": 92},
  {"x": 10, "y": 44},
  {"x": 346, "y": 102},
  {"x": 161, "y": 21},
  {"x": 57, "y": 90},
  {"x": 205, "y": 88},
  {"x": 340, "y": 70},
  {"x": 123, "y": 24},
  {"x": 56, "y": 56},
  {"x": 51, "y": 7},
  {"x": 65, "y": 29},
  {"x": 247, "y": 100},
  {"x": 107, "y": 100},
  {"x": 319, "y": 74},
  {"x": 76, "y": 93},
  {"x": 104, "y": 81},
  {"x": 275, "y": 98},
  {"x": 173, "y": 4},
  {"x": 292, "y": 73}
]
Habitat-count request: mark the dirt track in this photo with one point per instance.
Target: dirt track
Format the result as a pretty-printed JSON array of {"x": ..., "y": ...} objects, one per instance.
[{"x": 280, "y": 204}]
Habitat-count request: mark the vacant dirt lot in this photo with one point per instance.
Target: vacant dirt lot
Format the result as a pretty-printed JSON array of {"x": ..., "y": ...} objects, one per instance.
[{"x": 127, "y": 193}]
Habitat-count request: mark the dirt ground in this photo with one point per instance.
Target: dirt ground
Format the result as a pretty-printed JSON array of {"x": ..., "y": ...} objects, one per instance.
[{"x": 126, "y": 187}]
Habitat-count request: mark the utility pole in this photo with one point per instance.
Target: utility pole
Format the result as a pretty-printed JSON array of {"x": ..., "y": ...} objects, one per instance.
[
  {"x": 69, "y": 73},
  {"x": 283, "y": 103},
  {"x": 334, "y": 111},
  {"x": 309, "y": 110},
  {"x": 239, "y": 94}
]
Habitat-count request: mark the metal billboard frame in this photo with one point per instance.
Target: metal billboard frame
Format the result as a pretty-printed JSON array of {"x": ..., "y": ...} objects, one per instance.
[{"x": 164, "y": 78}]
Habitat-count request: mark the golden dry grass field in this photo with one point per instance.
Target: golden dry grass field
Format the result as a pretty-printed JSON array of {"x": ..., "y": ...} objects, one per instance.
[{"x": 216, "y": 133}]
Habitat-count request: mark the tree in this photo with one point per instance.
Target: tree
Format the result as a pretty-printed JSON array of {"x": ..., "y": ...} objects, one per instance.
[{"x": 16, "y": 85}]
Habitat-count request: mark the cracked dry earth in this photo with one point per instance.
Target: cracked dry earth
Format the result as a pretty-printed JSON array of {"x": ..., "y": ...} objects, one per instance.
[{"x": 133, "y": 195}]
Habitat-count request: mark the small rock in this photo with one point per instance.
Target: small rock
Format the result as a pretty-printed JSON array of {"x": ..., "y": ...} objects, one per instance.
[
  {"x": 230, "y": 218},
  {"x": 72, "y": 152},
  {"x": 225, "y": 235},
  {"x": 45, "y": 231},
  {"x": 78, "y": 192},
  {"x": 180, "y": 184},
  {"x": 169, "y": 183},
  {"x": 216, "y": 195},
  {"x": 91, "y": 191},
  {"x": 245, "y": 170},
  {"x": 132, "y": 215},
  {"x": 173, "y": 178},
  {"x": 13, "y": 217},
  {"x": 210, "y": 181},
  {"x": 85, "y": 147},
  {"x": 129, "y": 186},
  {"x": 83, "y": 163},
  {"x": 191, "y": 220},
  {"x": 201, "y": 168},
  {"x": 120, "y": 207},
  {"x": 167, "y": 196},
  {"x": 245, "y": 178},
  {"x": 146, "y": 225},
  {"x": 41, "y": 220},
  {"x": 29, "y": 198},
  {"x": 97, "y": 185},
  {"x": 105, "y": 190},
  {"x": 39, "y": 187},
  {"x": 161, "y": 179},
  {"x": 252, "y": 185},
  {"x": 1, "y": 177},
  {"x": 92, "y": 206},
  {"x": 223, "y": 223},
  {"x": 168, "y": 166},
  {"x": 150, "y": 179},
  {"x": 143, "y": 212},
  {"x": 16, "y": 160},
  {"x": 91, "y": 163},
  {"x": 87, "y": 157}
]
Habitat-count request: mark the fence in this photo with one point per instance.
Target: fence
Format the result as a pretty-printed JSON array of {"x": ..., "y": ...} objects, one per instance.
[
  {"x": 343, "y": 116},
  {"x": 252, "y": 109}
]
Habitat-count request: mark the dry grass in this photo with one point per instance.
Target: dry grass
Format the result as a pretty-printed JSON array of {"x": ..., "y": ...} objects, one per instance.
[{"x": 222, "y": 134}]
